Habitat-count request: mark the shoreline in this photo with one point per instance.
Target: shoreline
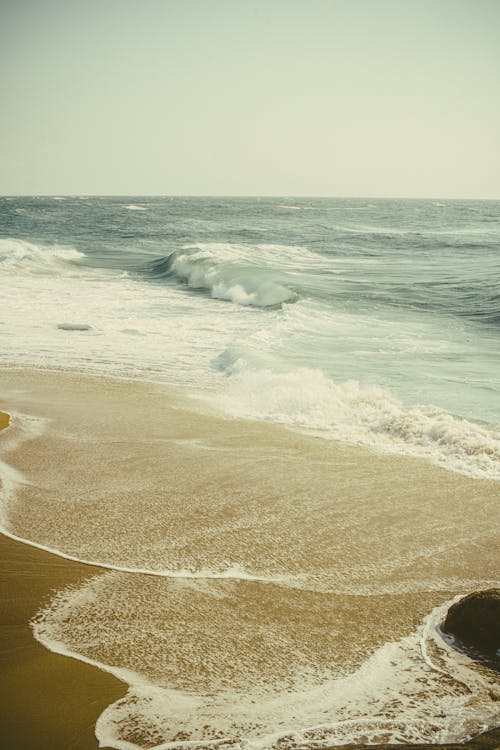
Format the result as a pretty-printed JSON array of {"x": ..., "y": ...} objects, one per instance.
[
  {"x": 46, "y": 700},
  {"x": 67, "y": 695}
]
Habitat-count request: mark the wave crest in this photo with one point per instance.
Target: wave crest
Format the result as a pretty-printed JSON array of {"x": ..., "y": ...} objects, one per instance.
[
  {"x": 223, "y": 278},
  {"x": 19, "y": 256}
]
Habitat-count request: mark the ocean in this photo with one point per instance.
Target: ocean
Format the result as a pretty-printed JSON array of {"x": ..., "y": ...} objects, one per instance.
[{"x": 327, "y": 375}]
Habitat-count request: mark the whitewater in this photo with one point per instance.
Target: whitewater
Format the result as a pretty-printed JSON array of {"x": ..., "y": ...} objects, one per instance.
[{"x": 317, "y": 387}]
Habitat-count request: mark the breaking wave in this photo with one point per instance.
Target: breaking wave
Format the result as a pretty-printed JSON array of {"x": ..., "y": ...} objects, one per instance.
[
  {"x": 224, "y": 277},
  {"x": 19, "y": 256},
  {"x": 369, "y": 416}
]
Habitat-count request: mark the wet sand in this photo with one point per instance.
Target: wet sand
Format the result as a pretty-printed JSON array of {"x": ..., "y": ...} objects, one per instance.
[
  {"x": 51, "y": 701},
  {"x": 47, "y": 701}
]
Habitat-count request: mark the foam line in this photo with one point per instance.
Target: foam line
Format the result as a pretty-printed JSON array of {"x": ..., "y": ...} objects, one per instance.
[
  {"x": 233, "y": 573},
  {"x": 11, "y": 478}
]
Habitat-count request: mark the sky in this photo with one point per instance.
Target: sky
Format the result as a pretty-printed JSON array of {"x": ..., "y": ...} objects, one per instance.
[{"x": 392, "y": 98}]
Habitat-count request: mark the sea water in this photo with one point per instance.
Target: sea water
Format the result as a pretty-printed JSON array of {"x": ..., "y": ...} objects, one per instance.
[
  {"x": 375, "y": 322},
  {"x": 368, "y": 323}
]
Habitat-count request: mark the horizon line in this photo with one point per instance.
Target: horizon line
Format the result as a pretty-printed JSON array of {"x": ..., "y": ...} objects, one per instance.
[{"x": 244, "y": 195}]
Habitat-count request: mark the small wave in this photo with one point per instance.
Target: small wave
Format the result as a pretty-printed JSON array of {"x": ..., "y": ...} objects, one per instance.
[
  {"x": 298, "y": 208},
  {"x": 372, "y": 417},
  {"x": 224, "y": 279},
  {"x": 133, "y": 207},
  {"x": 19, "y": 256}
]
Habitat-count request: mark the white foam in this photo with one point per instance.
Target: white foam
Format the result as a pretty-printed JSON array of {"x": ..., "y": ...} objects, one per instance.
[
  {"x": 298, "y": 208},
  {"x": 417, "y": 689},
  {"x": 372, "y": 417},
  {"x": 24, "y": 257},
  {"x": 23, "y": 427},
  {"x": 133, "y": 207},
  {"x": 224, "y": 280}
]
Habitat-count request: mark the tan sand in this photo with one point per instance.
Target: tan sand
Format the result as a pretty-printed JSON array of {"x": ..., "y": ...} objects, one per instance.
[
  {"x": 51, "y": 701},
  {"x": 47, "y": 701}
]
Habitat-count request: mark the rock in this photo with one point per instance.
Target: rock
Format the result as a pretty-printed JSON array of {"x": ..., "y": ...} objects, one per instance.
[
  {"x": 74, "y": 327},
  {"x": 474, "y": 622}
]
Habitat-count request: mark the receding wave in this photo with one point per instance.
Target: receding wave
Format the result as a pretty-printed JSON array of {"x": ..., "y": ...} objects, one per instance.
[
  {"x": 223, "y": 277},
  {"x": 416, "y": 689},
  {"x": 370, "y": 416}
]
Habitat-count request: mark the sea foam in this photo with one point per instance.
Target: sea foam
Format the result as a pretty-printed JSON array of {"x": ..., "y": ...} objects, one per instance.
[
  {"x": 23, "y": 257},
  {"x": 369, "y": 416},
  {"x": 416, "y": 689}
]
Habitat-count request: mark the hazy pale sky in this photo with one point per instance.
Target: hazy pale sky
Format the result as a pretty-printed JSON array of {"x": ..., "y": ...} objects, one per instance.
[{"x": 250, "y": 97}]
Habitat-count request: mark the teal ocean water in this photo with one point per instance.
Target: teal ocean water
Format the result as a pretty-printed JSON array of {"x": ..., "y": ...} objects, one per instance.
[{"x": 375, "y": 322}]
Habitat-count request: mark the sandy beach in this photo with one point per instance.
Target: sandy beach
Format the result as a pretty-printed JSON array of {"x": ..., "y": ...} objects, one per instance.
[
  {"x": 50, "y": 701},
  {"x": 144, "y": 439},
  {"x": 249, "y": 375},
  {"x": 46, "y": 700}
]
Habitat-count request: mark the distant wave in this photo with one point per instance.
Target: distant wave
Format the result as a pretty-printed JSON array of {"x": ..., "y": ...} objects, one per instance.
[
  {"x": 223, "y": 278},
  {"x": 24, "y": 257}
]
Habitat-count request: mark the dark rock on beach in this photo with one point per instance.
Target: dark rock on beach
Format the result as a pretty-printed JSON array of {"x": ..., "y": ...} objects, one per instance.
[{"x": 474, "y": 622}]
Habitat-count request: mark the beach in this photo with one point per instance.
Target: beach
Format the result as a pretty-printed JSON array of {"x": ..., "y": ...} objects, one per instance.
[
  {"x": 210, "y": 592},
  {"x": 47, "y": 700},
  {"x": 262, "y": 437}
]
